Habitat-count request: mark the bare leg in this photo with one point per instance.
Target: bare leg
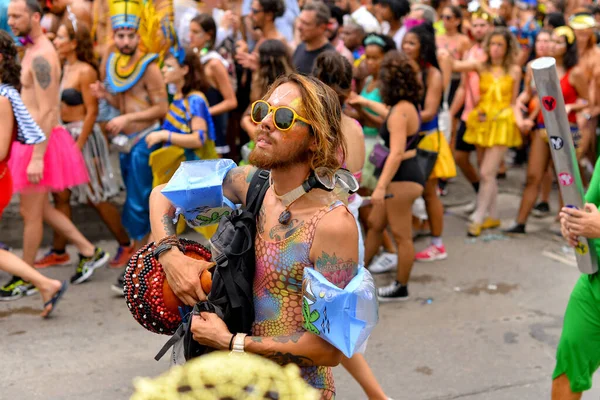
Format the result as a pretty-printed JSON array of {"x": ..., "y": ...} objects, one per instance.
[
  {"x": 561, "y": 389},
  {"x": 14, "y": 265},
  {"x": 112, "y": 219},
  {"x": 359, "y": 369},
  {"x": 62, "y": 204},
  {"x": 398, "y": 211},
  {"x": 539, "y": 157},
  {"x": 375, "y": 225},
  {"x": 547, "y": 185},
  {"x": 462, "y": 160},
  {"x": 32, "y": 206},
  {"x": 488, "y": 185},
  {"x": 59, "y": 222},
  {"x": 435, "y": 208}
]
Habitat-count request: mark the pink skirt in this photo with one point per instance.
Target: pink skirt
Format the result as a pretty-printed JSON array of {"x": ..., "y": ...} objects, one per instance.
[{"x": 64, "y": 166}]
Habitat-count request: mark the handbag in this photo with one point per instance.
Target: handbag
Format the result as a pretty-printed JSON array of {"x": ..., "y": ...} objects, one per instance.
[
  {"x": 444, "y": 117},
  {"x": 379, "y": 155},
  {"x": 426, "y": 159}
]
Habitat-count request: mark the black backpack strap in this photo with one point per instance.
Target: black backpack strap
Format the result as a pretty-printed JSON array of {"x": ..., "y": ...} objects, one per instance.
[{"x": 256, "y": 191}]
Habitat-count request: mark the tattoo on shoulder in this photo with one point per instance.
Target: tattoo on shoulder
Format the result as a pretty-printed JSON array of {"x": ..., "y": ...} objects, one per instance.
[
  {"x": 336, "y": 270},
  {"x": 280, "y": 232},
  {"x": 289, "y": 358},
  {"x": 235, "y": 175},
  {"x": 295, "y": 338},
  {"x": 167, "y": 221},
  {"x": 43, "y": 71},
  {"x": 262, "y": 218}
]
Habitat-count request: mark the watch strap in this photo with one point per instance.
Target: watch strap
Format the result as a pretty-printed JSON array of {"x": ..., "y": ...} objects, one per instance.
[{"x": 239, "y": 343}]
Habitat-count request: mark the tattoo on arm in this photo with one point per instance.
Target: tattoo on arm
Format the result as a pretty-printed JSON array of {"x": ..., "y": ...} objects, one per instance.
[
  {"x": 336, "y": 270},
  {"x": 43, "y": 71},
  {"x": 168, "y": 224},
  {"x": 256, "y": 339},
  {"x": 294, "y": 338},
  {"x": 280, "y": 232},
  {"x": 289, "y": 358}
]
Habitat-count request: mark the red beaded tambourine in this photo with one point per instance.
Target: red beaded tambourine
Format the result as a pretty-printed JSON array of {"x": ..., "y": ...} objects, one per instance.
[{"x": 147, "y": 292}]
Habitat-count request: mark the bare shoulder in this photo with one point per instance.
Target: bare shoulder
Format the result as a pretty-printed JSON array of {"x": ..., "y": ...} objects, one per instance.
[
  {"x": 337, "y": 229},
  {"x": 236, "y": 182},
  {"x": 577, "y": 73},
  {"x": 5, "y": 105},
  {"x": 89, "y": 73},
  {"x": 515, "y": 71}
]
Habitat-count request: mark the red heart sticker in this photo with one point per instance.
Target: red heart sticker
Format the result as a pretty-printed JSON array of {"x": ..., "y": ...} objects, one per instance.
[{"x": 549, "y": 103}]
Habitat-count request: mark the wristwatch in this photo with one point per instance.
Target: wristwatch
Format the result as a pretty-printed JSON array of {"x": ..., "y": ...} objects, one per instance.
[
  {"x": 238, "y": 343},
  {"x": 163, "y": 248}
]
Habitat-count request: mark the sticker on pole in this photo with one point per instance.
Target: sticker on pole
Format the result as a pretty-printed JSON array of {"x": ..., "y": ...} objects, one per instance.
[
  {"x": 549, "y": 103},
  {"x": 556, "y": 142},
  {"x": 581, "y": 248},
  {"x": 565, "y": 179}
]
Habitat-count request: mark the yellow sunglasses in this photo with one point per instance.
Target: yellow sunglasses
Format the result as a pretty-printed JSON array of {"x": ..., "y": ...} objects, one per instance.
[{"x": 283, "y": 116}]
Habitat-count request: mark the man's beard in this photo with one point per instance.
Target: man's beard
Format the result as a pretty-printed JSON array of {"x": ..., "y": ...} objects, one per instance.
[
  {"x": 127, "y": 51},
  {"x": 25, "y": 31},
  {"x": 294, "y": 154}
]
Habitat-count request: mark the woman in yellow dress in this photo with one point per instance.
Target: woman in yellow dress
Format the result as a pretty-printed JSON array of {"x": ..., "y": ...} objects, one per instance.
[{"x": 492, "y": 125}]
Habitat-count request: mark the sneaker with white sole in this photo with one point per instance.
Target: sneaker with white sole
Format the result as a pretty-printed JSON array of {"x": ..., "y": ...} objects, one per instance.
[
  {"x": 395, "y": 291},
  {"x": 87, "y": 265},
  {"x": 384, "y": 263},
  {"x": 432, "y": 253}
]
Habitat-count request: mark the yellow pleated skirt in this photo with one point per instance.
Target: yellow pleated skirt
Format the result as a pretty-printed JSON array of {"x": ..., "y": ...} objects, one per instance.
[
  {"x": 445, "y": 167},
  {"x": 498, "y": 129}
]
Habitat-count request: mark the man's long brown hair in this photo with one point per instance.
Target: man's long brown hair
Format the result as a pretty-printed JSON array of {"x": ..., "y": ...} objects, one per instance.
[{"x": 322, "y": 109}]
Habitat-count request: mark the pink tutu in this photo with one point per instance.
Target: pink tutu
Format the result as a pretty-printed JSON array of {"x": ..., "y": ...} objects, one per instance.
[{"x": 64, "y": 166}]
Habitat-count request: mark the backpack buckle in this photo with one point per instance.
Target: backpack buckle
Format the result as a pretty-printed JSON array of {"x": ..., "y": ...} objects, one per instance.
[{"x": 264, "y": 174}]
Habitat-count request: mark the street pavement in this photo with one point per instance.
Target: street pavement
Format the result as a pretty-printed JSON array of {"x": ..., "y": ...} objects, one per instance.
[{"x": 481, "y": 325}]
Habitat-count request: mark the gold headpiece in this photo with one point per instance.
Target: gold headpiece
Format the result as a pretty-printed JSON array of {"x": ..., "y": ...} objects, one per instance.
[
  {"x": 582, "y": 21},
  {"x": 566, "y": 32},
  {"x": 125, "y": 14},
  {"x": 480, "y": 14}
]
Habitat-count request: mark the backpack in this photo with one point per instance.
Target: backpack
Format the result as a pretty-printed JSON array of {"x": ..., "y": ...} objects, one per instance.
[{"x": 231, "y": 296}]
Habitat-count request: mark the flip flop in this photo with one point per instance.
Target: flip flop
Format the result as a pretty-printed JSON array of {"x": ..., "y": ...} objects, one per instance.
[{"x": 57, "y": 296}]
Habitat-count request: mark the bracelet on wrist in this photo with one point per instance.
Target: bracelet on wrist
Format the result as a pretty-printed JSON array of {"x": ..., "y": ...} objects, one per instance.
[{"x": 231, "y": 342}]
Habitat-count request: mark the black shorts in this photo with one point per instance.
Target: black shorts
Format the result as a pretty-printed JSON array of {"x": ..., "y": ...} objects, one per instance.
[
  {"x": 461, "y": 145},
  {"x": 410, "y": 171}
]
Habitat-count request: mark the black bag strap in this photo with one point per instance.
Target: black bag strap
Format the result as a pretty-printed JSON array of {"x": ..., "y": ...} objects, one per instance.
[{"x": 256, "y": 191}]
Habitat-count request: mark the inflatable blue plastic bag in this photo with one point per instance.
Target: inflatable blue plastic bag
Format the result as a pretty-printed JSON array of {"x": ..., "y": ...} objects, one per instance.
[
  {"x": 343, "y": 317},
  {"x": 196, "y": 189}
]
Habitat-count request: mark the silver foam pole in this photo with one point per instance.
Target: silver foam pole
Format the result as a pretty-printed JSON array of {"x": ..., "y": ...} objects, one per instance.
[{"x": 560, "y": 141}]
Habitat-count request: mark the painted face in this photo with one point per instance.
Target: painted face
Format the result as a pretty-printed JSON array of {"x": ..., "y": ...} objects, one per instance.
[
  {"x": 558, "y": 45},
  {"x": 373, "y": 56},
  {"x": 63, "y": 43},
  {"x": 497, "y": 47},
  {"x": 19, "y": 18},
  {"x": 411, "y": 46},
  {"x": 172, "y": 71},
  {"x": 543, "y": 44},
  {"x": 479, "y": 28},
  {"x": 277, "y": 149},
  {"x": 126, "y": 41},
  {"x": 198, "y": 37}
]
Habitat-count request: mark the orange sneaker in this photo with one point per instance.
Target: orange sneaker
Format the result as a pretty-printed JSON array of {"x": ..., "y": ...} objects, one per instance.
[
  {"x": 52, "y": 259},
  {"x": 122, "y": 257}
]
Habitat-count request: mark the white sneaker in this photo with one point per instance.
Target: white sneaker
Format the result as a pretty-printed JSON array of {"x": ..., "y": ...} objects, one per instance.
[{"x": 384, "y": 263}]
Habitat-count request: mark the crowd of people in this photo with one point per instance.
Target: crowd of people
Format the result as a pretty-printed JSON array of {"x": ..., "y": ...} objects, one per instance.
[{"x": 398, "y": 93}]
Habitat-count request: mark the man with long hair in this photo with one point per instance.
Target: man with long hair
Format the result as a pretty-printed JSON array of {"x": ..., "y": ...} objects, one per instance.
[{"x": 298, "y": 130}]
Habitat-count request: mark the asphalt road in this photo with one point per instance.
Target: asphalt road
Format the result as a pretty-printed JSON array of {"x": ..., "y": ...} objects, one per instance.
[{"x": 482, "y": 325}]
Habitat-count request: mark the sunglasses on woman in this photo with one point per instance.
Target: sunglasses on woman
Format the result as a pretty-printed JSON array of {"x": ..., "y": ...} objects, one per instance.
[{"x": 283, "y": 116}]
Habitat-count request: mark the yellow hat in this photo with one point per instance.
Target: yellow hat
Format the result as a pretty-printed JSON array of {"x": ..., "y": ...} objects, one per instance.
[
  {"x": 125, "y": 14},
  {"x": 582, "y": 21}
]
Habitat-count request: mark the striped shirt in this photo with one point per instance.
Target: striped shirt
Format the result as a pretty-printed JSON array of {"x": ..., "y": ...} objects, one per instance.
[{"x": 28, "y": 131}]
